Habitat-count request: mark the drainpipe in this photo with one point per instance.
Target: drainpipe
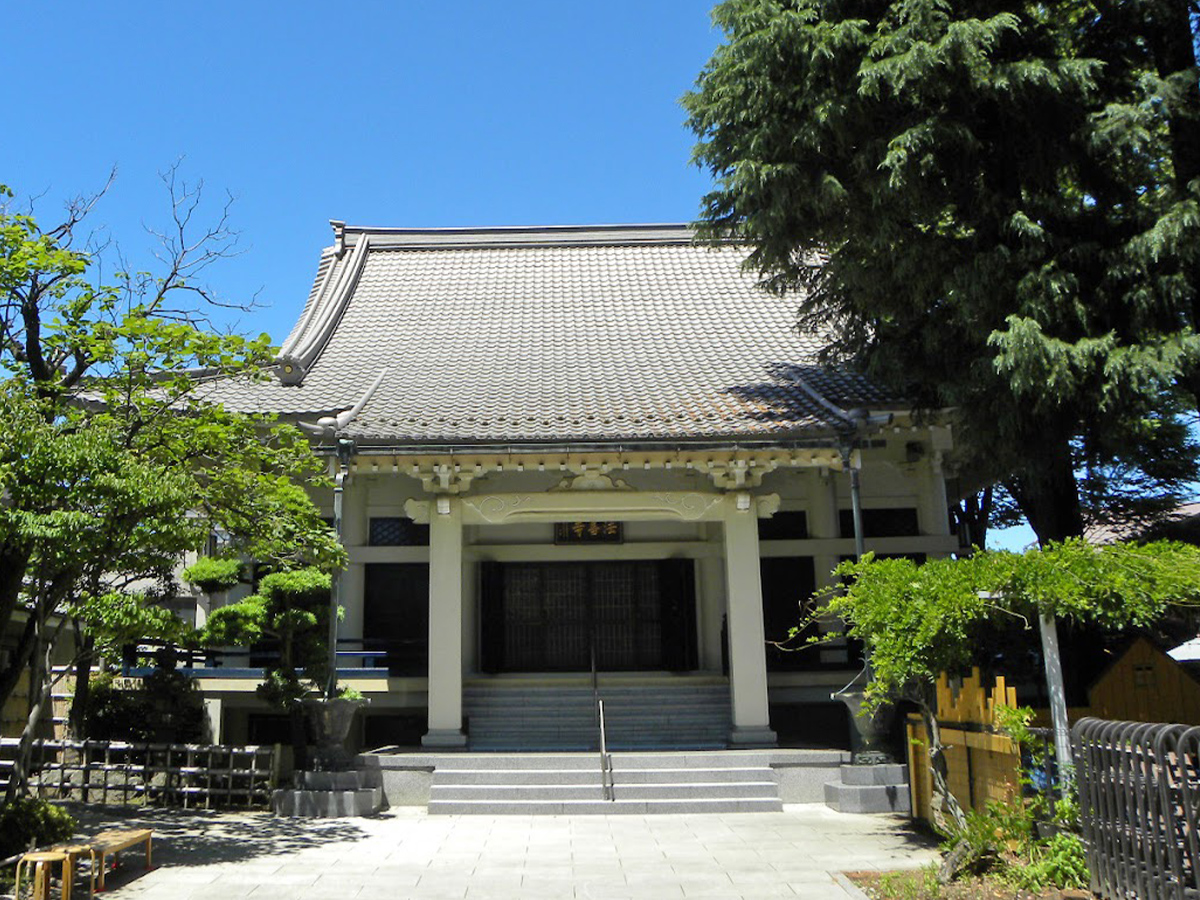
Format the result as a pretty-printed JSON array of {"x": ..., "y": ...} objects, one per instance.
[
  {"x": 859, "y": 541},
  {"x": 871, "y": 728},
  {"x": 345, "y": 449},
  {"x": 848, "y": 462}
]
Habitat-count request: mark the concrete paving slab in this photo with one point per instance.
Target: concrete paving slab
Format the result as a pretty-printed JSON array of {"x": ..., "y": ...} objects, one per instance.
[{"x": 253, "y": 856}]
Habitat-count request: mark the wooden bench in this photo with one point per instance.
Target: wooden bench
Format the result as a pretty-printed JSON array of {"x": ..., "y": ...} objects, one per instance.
[{"x": 111, "y": 843}]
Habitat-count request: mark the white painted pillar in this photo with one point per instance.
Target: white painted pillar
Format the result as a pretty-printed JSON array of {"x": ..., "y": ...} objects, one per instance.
[
  {"x": 941, "y": 443},
  {"x": 445, "y": 624},
  {"x": 1058, "y": 701},
  {"x": 747, "y": 646},
  {"x": 710, "y": 588},
  {"x": 822, "y": 512},
  {"x": 353, "y": 578},
  {"x": 212, "y": 711},
  {"x": 823, "y": 524},
  {"x": 203, "y": 608},
  {"x": 354, "y": 510}
]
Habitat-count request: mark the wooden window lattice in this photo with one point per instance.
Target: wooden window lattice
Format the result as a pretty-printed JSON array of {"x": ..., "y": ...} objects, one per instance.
[{"x": 397, "y": 531}]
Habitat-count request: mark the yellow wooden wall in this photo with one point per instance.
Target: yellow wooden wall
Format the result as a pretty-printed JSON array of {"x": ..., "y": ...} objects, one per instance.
[
  {"x": 1143, "y": 685},
  {"x": 1146, "y": 685},
  {"x": 982, "y": 765}
]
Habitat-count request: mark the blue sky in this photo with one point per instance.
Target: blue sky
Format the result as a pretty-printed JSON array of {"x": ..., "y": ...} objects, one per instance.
[
  {"x": 398, "y": 113},
  {"x": 378, "y": 113}
]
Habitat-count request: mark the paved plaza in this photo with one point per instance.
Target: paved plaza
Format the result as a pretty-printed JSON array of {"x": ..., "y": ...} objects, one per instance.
[{"x": 408, "y": 854}]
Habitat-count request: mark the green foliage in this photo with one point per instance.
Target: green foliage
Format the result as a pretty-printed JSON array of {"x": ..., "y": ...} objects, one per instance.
[
  {"x": 919, "y": 621},
  {"x": 80, "y": 503},
  {"x": 116, "y": 618},
  {"x": 166, "y": 708},
  {"x": 27, "y": 821},
  {"x": 920, "y": 885},
  {"x": 214, "y": 574},
  {"x": 244, "y": 622},
  {"x": 999, "y": 207},
  {"x": 293, "y": 608},
  {"x": 1062, "y": 811},
  {"x": 284, "y": 590},
  {"x": 1005, "y": 842},
  {"x": 114, "y": 462},
  {"x": 1015, "y": 721},
  {"x": 1059, "y": 862}
]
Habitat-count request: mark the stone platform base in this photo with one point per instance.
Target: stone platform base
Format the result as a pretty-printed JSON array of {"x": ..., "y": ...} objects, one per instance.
[
  {"x": 870, "y": 789},
  {"x": 328, "y": 795}
]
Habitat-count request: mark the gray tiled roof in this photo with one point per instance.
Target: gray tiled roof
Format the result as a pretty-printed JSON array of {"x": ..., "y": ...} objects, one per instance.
[{"x": 611, "y": 334}]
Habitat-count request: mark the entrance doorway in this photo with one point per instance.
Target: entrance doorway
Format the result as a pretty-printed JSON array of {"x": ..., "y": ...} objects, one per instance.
[
  {"x": 551, "y": 617},
  {"x": 396, "y": 615}
]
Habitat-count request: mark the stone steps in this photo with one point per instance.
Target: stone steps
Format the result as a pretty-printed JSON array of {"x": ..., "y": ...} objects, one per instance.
[
  {"x": 682, "y": 759},
  {"x": 663, "y": 716},
  {"x": 328, "y": 795},
  {"x": 566, "y": 776},
  {"x": 570, "y": 784},
  {"x": 640, "y": 791},
  {"x": 600, "y": 807},
  {"x": 870, "y": 789}
]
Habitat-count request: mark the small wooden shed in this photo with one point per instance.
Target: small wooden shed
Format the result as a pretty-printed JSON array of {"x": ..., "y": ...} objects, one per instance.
[{"x": 1146, "y": 685}]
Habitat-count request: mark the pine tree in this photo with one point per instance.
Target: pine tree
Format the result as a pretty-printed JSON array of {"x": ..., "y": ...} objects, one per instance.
[{"x": 996, "y": 204}]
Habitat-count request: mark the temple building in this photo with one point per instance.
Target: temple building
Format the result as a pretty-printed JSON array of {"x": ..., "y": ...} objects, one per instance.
[{"x": 584, "y": 462}]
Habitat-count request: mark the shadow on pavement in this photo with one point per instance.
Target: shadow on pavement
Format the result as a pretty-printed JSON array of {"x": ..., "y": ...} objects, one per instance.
[
  {"x": 206, "y": 837},
  {"x": 913, "y": 834}
]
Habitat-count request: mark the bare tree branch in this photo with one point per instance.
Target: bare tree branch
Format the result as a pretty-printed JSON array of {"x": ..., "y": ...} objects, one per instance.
[{"x": 78, "y": 208}]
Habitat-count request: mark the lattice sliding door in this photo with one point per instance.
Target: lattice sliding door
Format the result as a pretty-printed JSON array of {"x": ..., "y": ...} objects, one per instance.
[{"x": 546, "y": 617}]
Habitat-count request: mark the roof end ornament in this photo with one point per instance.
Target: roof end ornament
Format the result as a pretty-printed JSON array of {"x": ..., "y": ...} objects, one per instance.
[
  {"x": 339, "y": 237},
  {"x": 329, "y": 426},
  {"x": 290, "y": 370},
  {"x": 854, "y": 423}
]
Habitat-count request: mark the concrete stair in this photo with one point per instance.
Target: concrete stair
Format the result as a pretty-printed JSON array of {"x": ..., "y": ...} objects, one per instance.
[
  {"x": 658, "y": 717},
  {"x": 570, "y": 784},
  {"x": 328, "y": 795},
  {"x": 870, "y": 789}
]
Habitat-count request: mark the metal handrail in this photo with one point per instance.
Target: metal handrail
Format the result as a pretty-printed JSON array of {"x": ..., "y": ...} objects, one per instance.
[
  {"x": 595, "y": 678},
  {"x": 606, "y": 784}
]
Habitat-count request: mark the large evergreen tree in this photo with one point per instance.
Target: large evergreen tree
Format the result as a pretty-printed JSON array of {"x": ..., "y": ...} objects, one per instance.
[{"x": 996, "y": 206}]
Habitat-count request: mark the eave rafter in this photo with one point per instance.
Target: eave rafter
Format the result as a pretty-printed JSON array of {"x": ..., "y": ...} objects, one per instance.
[{"x": 729, "y": 470}]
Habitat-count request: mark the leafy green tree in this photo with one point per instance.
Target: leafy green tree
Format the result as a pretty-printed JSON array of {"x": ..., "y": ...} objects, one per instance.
[
  {"x": 291, "y": 608},
  {"x": 917, "y": 621},
  {"x": 214, "y": 574},
  {"x": 993, "y": 206},
  {"x": 114, "y": 464}
]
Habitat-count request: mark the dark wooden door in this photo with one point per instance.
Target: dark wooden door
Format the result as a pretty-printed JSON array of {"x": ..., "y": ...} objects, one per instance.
[
  {"x": 396, "y": 615},
  {"x": 550, "y": 617}
]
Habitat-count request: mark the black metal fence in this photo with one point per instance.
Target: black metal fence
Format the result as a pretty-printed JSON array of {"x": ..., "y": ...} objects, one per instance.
[
  {"x": 1139, "y": 793},
  {"x": 182, "y": 775}
]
